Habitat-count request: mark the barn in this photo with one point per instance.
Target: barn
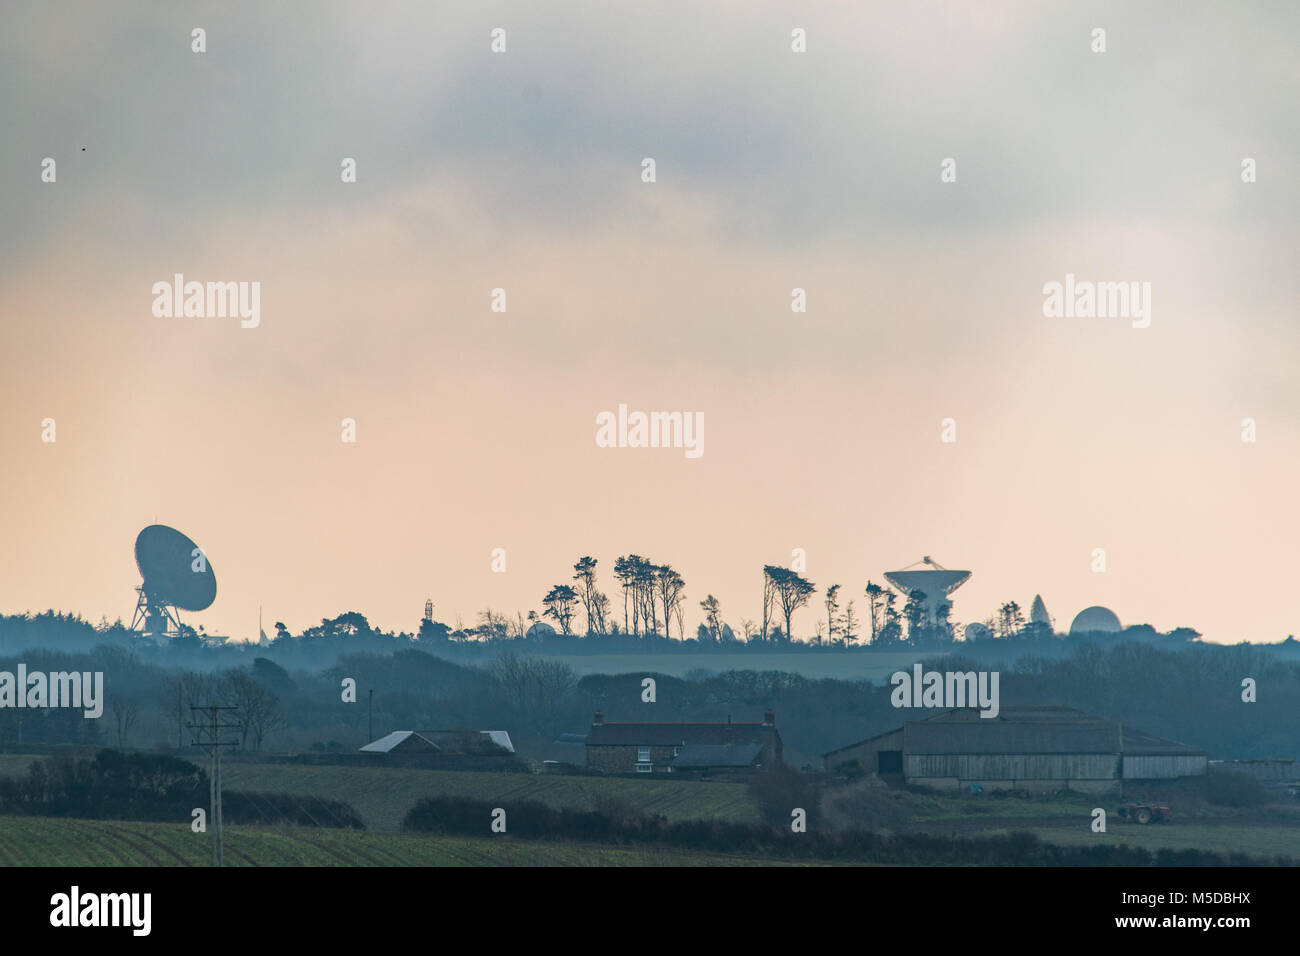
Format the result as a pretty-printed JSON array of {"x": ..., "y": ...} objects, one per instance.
[{"x": 1032, "y": 748}]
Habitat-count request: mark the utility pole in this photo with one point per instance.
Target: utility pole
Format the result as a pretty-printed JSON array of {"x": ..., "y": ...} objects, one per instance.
[
  {"x": 370, "y": 708},
  {"x": 214, "y": 743}
]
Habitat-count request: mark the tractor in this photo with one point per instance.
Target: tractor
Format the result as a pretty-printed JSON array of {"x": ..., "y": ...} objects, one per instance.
[{"x": 1145, "y": 813}]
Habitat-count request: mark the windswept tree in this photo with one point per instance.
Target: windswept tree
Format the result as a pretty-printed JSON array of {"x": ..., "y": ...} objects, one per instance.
[
  {"x": 712, "y": 618},
  {"x": 593, "y": 602},
  {"x": 791, "y": 592},
  {"x": 643, "y": 589},
  {"x": 637, "y": 577},
  {"x": 769, "y": 603},
  {"x": 1010, "y": 620},
  {"x": 832, "y": 612},
  {"x": 561, "y": 602},
  {"x": 624, "y": 573},
  {"x": 875, "y": 605}
]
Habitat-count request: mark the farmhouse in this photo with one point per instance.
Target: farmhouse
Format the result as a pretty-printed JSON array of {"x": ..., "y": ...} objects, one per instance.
[
  {"x": 717, "y": 759},
  {"x": 647, "y": 747},
  {"x": 1033, "y": 748}
]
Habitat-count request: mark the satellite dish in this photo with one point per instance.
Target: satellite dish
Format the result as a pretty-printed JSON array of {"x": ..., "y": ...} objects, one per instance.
[
  {"x": 176, "y": 574},
  {"x": 936, "y": 585}
]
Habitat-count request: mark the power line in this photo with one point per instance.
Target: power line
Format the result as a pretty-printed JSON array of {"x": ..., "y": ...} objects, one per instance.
[{"x": 214, "y": 743}]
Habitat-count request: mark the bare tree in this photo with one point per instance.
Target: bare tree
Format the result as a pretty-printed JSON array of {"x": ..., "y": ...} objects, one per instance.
[
  {"x": 257, "y": 711},
  {"x": 124, "y": 710},
  {"x": 600, "y": 607},
  {"x": 535, "y": 690},
  {"x": 712, "y": 618},
  {"x": 178, "y": 694},
  {"x": 672, "y": 589},
  {"x": 493, "y": 625},
  {"x": 849, "y": 625}
]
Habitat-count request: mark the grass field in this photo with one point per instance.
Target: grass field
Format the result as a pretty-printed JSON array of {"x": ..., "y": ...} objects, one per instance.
[
  {"x": 39, "y": 841},
  {"x": 1066, "y": 819},
  {"x": 382, "y": 795}
]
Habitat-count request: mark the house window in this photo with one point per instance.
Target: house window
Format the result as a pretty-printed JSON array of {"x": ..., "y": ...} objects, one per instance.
[
  {"x": 643, "y": 754},
  {"x": 644, "y": 768}
]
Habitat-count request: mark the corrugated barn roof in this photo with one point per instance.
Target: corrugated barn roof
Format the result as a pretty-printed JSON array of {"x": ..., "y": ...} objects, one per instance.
[{"x": 993, "y": 736}]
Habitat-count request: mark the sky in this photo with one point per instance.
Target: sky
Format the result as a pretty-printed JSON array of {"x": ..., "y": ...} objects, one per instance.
[{"x": 522, "y": 170}]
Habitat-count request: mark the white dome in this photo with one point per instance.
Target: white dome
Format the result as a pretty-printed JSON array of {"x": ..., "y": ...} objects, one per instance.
[{"x": 1095, "y": 618}]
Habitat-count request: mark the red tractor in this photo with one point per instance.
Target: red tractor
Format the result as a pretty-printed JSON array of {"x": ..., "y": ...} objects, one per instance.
[{"x": 1145, "y": 813}]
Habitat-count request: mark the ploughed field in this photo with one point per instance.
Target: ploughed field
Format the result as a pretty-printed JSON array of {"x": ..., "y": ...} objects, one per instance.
[{"x": 41, "y": 841}]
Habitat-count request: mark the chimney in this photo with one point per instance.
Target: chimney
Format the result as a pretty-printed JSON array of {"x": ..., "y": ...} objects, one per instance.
[
  {"x": 599, "y": 718},
  {"x": 769, "y": 718}
]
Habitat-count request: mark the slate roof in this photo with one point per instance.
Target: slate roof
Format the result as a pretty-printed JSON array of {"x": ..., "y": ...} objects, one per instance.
[
  {"x": 675, "y": 734},
  {"x": 704, "y": 756}
]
